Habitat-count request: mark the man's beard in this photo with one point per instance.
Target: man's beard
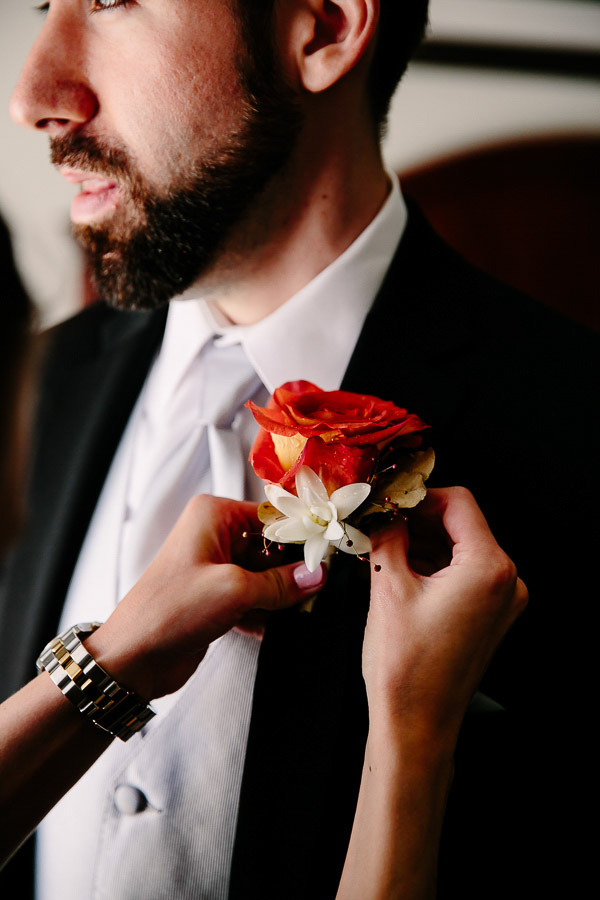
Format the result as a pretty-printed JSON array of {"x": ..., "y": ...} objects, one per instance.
[{"x": 169, "y": 241}]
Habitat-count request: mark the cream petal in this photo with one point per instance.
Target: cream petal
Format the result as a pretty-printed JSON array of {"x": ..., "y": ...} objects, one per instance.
[
  {"x": 311, "y": 526},
  {"x": 361, "y": 544},
  {"x": 310, "y": 488},
  {"x": 334, "y": 532},
  {"x": 327, "y": 513},
  {"x": 275, "y": 490},
  {"x": 271, "y": 532},
  {"x": 285, "y": 502},
  {"x": 314, "y": 551},
  {"x": 292, "y": 530},
  {"x": 349, "y": 497},
  {"x": 267, "y": 513}
]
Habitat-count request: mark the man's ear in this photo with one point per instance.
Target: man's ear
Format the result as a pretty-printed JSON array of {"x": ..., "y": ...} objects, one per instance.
[{"x": 329, "y": 37}]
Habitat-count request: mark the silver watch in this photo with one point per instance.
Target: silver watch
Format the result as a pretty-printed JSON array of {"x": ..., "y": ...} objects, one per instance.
[{"x": 93, "y": 691}]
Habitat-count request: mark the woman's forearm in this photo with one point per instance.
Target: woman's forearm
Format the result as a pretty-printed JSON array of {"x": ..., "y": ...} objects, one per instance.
[
  {"x": 45, "y": 747},
  {"x": 395, "y": 837}
]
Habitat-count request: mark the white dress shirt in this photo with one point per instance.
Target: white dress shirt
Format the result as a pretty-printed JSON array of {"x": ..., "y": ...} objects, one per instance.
[{"x": 155, "y": 817}]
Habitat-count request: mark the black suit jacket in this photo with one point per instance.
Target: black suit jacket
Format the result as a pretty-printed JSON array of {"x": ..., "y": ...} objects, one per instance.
[{"x": 507, "y": 387}]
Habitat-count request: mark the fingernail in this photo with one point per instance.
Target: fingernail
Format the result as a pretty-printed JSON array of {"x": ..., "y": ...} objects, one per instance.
[{"x": 308, "y": 580}]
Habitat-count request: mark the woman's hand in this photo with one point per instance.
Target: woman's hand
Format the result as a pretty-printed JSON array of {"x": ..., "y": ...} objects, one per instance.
[
  {"x": 442, "y": 601},
  {"x": 199, "y": 586},
  {"x": 430, "y": 637},
  {"x": 207, "y": 576}
]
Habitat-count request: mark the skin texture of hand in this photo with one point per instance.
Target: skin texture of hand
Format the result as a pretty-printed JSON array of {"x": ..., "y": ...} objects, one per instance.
[
  {"x": 444, "y": 598},
  {"x": 430, "y": 637},
  {"x": 204, "y": 580}
]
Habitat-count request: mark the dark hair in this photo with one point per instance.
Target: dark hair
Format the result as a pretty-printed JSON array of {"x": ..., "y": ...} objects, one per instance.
[
  {"x": 401, "y": 29},
  {"x": 402, "y": 24}
]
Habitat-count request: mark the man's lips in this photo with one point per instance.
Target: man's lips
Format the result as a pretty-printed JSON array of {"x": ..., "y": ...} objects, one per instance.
[
  {"x": 90, "y": 182},
  {"x": 99, "y": 195}
]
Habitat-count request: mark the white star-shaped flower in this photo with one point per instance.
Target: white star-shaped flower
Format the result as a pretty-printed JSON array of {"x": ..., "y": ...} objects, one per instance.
[{"x": 317, "y": 519}]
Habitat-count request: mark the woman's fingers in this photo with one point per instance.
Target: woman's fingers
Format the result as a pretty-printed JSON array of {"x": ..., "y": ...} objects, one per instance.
[
  {"x": 463, "y": 520},
  {"x": 283, "y": 586},
  {"x": 390, "y": 555},
  {"x": 521, "y": 599}
]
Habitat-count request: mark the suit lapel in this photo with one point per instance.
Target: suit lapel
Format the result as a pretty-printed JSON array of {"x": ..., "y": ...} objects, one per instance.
[
  {"x": 305, "y": 749},
  {"x": 309, "y": 723},
  {"x": 94, "y": 374},
  {"x": 413, "y": 328}
]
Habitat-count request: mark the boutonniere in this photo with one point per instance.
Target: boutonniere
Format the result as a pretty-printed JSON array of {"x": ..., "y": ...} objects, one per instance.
[{"x": 331, "y": 460}]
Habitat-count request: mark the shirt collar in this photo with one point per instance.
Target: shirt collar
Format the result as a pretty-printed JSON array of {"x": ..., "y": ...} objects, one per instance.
[
  {"x": 189, "y": 327},
  {"x": 313, "y": 334}
]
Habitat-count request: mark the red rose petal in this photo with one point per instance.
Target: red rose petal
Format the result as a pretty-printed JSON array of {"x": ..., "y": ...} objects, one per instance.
[
  {"x": 273, "y": 420},
  {"x": 335, "y": 464},
  {"x": 345, "y": 432},
  {"x": 263, "y": 459}
]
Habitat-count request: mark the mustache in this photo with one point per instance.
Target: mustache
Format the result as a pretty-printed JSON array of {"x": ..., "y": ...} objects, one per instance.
[{"x": 79, "y": 151}]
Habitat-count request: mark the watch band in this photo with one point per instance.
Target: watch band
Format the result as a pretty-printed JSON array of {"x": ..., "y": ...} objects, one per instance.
[{"x": 89, "y": 687}]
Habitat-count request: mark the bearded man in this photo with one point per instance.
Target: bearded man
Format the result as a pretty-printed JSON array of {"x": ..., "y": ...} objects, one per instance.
[{"x": 228, "y": 154}]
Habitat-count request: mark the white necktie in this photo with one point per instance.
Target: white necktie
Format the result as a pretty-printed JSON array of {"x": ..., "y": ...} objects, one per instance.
[
  {"x": 192, "y": 447},
  {"x": 229, "y": 382}
]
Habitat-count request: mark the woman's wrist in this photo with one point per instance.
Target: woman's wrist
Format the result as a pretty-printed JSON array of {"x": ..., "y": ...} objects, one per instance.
[
  {"x": 142, "y": 657},
  {"x": 415, "y": 737},
  {"x": 120, "y": 653}
]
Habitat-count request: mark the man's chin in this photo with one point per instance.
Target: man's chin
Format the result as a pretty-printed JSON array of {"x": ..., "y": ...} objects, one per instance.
[
  {"x": 128, "y": 280},
  {"x": 120, "y": 291}
]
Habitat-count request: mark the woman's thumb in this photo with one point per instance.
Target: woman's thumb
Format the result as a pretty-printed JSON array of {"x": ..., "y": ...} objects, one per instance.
[{"x": 284, "y": 586}]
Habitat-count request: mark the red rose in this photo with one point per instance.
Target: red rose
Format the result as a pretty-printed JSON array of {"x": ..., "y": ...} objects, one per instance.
[{"x": 335, "y": 433}]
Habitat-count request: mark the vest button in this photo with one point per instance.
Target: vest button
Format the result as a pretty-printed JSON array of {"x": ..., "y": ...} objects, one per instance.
[{"x": 130, "y": 800}]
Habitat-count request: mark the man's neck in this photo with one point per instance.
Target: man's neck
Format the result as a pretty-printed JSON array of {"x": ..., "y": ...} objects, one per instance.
[{"x": 307, "y": 218}]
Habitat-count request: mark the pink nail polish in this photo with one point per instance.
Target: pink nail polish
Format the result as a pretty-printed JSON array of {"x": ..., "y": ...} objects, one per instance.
[{"x": 308, "y": 580}]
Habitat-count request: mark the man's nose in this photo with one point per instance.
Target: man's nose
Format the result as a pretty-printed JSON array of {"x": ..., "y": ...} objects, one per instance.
[{"x": 51, "y": 94}]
